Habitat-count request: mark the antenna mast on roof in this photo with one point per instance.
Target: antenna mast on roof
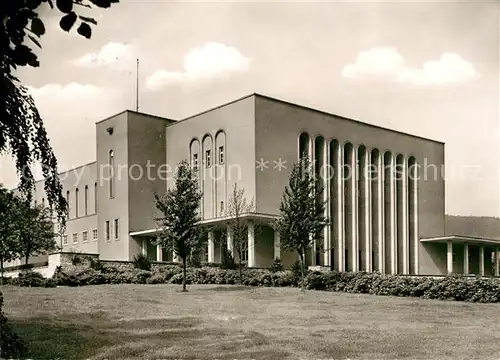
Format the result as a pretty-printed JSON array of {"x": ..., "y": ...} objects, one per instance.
[{"x": 137, "y": 88}]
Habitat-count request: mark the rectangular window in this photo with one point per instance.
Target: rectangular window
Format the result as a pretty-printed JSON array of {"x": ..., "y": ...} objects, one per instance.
[
  {"x": 116, "y": 229},
  {"x": 195, "y": 161},
  {"x": 75, "y": 238},
  {"x": 221, "y": 155},
  {"x": 76, "y": 202},
  {"x": 65, "y": 239},
  {"x": 108, "y": 236},
  {"x": 86, "y": 200},
  {"x": 207, "y": 158},
  {"x": 206, "y": 254},
  {"x": 85, "y": 236},
  {"x": 94, "y": 234},
  {"x": 244, "y": 255}
]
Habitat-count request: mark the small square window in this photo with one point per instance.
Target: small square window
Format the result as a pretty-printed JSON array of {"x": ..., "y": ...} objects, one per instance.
[
  {"x": 207, "y": 158},
  {"x": 85, "y": 236},
  {"x": 65, "y": 239},
  {"x": 75, "y": 238},
  {"x": 94, "y": 234}
]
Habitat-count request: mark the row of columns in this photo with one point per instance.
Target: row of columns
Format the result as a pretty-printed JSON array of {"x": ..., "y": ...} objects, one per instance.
[
  {"x": 250, "y": 245},
  {"x": 372, "y": 200},
  {"x": 449, "y": 259}
]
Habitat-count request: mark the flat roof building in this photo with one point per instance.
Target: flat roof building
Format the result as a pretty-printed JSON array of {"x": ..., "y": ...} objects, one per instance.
[{"x": 384, "y": 189}]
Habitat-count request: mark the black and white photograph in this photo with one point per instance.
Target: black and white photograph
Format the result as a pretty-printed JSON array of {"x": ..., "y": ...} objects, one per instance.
[{"x": 250, "y": 180}]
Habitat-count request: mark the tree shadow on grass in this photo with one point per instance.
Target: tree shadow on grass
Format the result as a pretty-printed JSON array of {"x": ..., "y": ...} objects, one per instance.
[
  {"x": 97, "y": 336},
  {"x": 86, "y": 335}
]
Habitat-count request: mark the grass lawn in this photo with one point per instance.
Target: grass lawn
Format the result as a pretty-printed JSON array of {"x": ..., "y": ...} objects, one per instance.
[{"x": 231, "y": 322}]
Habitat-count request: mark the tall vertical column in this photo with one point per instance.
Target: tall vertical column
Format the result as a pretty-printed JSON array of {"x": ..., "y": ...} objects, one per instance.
[
  {"x": 449, "y": 257},
  {"x": 481, "y": 260},
  {"x": 159, "y": 253},
  {"x": 277, "y": 246},
  {"x": 144, "y": 247},
  {"x": 497, "y": 262},
  {"x": 466, "y": 259},
  {"x": 327, "y": 176},
  {"x": 312, "y": 161},
  {"x": 230, "y": 243},
  {"x": 251, "y": 244},
  {"x": 404, "y": 230},
  {"x": 354, "y": 207},
  {"x": 367, "y": 211},
  {"x": 415, "y": 219},
  {"x": 380, "y": 218},
  {"x": 340, "y": 210},
  {"x": 394, "y": 249},
  {"x": 211, "y": 247}
]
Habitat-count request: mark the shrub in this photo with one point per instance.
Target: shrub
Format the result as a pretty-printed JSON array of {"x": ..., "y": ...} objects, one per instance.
[
  {"x": 141, "y": 276},
  {"x": 141, "y": 262},
  {"x": 76, "y": 260},
  {"x": 96, "y": 264},
  {"x": 276, "y": 266},
  {"x": 227, "y": 259},
  {"x": 295, "y": 268},
  {"x": 30, "y": 278},
  {"x": 11, "y": 346}
]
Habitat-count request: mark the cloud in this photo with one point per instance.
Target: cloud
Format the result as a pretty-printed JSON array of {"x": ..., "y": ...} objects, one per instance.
[
  {"x": 387, "y": 63},
  {"x": 69, "y": 112},
  {"x": 212, "y": 60},
  {"x": 113, "y": 54},
  {"x": 72, "y": 90}
]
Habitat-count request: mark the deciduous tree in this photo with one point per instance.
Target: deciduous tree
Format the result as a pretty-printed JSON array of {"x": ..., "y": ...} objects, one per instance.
[
  {"x": 36, "y": 231},
  {"x": 238, "y": 207},
  {"x": 301, "y": 218},
  {"x": 178, "y": 222}
]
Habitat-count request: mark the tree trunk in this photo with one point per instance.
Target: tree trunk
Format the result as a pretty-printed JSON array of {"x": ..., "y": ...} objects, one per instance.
[
  {"x": 240, "y": 280},
  {"x": 1, "y": 270},
  {"x": 26, "y": 260},
  {"x": 184, "y": 274},
  {"x": 302, "y": 265}
]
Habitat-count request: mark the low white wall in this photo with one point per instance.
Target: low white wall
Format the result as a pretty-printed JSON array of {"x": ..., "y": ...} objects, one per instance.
[{"x": 46, "y": 271}]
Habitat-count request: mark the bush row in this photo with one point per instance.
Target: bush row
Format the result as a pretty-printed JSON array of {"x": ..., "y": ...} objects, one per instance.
[{"x": 473, "y": 289}]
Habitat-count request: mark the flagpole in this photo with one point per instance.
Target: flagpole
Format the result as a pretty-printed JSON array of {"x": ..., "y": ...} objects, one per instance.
[{"x": 137, "y": 87}]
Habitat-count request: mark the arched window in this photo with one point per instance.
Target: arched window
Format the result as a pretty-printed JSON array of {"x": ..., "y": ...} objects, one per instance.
[{"x": 112, "y": 174}]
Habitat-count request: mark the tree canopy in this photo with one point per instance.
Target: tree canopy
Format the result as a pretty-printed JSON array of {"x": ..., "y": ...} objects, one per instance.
[
  {"x": 22, "y": 132},
  {"x": 301, "y": 218}
]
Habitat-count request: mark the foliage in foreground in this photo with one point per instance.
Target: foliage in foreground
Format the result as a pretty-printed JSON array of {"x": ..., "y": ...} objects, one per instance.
[
  {"x": 11, "y": 345},
  {"x": 459, "y": 288}
]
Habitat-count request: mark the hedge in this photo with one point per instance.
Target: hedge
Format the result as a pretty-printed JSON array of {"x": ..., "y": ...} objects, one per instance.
[{"x": 459, "y": 288}]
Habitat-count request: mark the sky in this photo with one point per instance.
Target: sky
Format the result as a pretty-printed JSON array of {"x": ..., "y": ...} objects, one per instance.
[{"x": 426, "y": 68}]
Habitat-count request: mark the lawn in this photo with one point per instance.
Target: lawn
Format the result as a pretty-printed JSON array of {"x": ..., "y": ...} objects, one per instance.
[{"x": 231, "y": 322}]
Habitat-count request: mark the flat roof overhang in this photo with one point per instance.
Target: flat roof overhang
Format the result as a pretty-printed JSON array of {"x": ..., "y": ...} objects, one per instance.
[
  {"x": 213, "y": 221},
  {"x": 462, "y": 239}
]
